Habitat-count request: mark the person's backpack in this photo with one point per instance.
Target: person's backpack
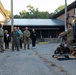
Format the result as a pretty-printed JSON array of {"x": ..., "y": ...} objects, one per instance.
[{"x": 1, "y": 32}]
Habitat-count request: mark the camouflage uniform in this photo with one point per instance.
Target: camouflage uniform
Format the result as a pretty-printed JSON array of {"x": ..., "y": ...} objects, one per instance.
[
  {"x": 15, "y": 40},
  {"x": 26, "y": 36},
  {"x": 70, "y": 37}
]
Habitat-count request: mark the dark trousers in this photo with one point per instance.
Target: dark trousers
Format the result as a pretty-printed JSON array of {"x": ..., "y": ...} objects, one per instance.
[
  {"x": 6, "y": 45},
  {"x": 33, "y": 43},
  {"x": 20, "y": 43}
]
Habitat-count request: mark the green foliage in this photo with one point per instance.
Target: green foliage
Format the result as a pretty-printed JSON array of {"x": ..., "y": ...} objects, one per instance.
[
  {"x": 23, "y": 13},
  {"x": 32, "y": 13},
  {"x": 59, "y": 9},
  {"x": 35, "y": 13},
  {"x": 8, "y": 13},
  {"x": 17, "y": 16}
]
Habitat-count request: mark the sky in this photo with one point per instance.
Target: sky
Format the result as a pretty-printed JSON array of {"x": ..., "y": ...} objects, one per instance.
[{"x": 42, "y": 5}]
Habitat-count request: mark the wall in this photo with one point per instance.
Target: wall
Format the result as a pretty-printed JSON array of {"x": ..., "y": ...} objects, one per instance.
[{"x": 71, "y": 13}]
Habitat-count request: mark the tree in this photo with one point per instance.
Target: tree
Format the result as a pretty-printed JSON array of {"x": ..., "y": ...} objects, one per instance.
[
  {"x": 32, "y": 13},
  {"x": 17, "y": 16},
  {"x": 31, "y": 9},
  {"x": 59, "y": 9},
  {"x": 8, "y": 13},
  {"x": 22, "y": 14}
]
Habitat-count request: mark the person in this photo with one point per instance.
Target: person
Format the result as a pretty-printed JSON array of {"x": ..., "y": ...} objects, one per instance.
[
  {"x": 15, "y": 39},
  {"x": 1, "y": 38},
  {"x": 26, "y": 37},
  {"x": 33, "y": 38},
  {"x": 70, "y": 37},
  {"x": 6, "y": 39},
  {"x": 20, "y": 37},
  {"x": 62, "y": 40}
]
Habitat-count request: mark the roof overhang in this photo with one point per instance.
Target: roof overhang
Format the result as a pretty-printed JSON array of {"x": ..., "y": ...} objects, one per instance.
[
  {"x": 3, "y": 15},
  {"x": 69, "y": 7}
]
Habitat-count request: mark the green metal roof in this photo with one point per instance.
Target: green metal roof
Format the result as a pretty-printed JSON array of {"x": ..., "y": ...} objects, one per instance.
[{"x": 36, "y": 22}]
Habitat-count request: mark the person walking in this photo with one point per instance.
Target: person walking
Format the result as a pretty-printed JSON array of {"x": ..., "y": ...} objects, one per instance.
[
  {"x": 33, "y": 38},
  {"x": 26, "y": 37},
  {"x": 15, "y": 39},
  {"x": 1, "y": 38},
  {"x": 6, "y": 39}
]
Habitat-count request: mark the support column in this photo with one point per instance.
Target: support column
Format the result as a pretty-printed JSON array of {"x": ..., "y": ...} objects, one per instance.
[
  {"x": 11, "y": 15},
  {"x": 65, "y": 15}
]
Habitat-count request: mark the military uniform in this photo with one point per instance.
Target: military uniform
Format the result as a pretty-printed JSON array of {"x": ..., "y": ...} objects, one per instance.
[
  {"x": 1, "y": 39},
  {"x": 15, "y": 40},
  {"x": 26, "y": 37},
  {"x": 70, "y": 37}
]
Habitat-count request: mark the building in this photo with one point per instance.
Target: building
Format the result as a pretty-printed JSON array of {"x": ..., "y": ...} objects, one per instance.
[
  {"x": 45, "y": 27},
  {"x": 71, "y": 16},
  {"x": 71, "y": 11}
]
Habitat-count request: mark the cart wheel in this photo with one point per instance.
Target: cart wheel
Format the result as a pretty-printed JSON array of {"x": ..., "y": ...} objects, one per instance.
[
  {"x": 52, "y": 55},
  {"x": 61, "y": 52},
  {"x": 56, "y": 52},
  {"x": 67, "y": 56}
]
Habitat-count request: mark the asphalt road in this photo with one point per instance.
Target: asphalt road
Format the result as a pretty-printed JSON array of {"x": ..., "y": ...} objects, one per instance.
[{"x": 37, "y": 61}]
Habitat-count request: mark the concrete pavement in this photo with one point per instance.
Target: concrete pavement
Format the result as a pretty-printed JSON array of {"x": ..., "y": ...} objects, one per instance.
[{"x": 37, "y": 61}]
